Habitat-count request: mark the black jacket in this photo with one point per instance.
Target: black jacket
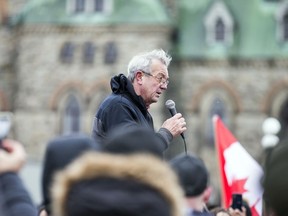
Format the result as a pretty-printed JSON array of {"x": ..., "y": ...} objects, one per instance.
[
  {"x": 14, "y": 199},
  {"x": 124, "y": 107}
]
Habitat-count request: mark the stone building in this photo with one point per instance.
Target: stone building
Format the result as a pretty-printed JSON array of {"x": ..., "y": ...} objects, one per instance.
[
  {"x": 62, "y": 56},
  {"x": 229, "y": 58}
]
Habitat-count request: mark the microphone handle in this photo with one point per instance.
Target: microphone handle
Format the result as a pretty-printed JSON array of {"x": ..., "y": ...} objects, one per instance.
[{"x": 172, "y": 111}]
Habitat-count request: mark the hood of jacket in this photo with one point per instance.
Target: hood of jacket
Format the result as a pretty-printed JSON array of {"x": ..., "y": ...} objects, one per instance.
[
  {"x": 146, "y": 169},
  {"x": 121, "y": 85}
]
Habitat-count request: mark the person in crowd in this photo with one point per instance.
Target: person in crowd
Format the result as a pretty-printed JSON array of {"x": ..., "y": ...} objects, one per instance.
[
  {"x": 132, "y": 140},
  {"x": 194, "y": 178},
  {"x": 219, "y": 211},
  {"x": 14, "y": 198},
  {"x": 275, "y": 182},
  {"x": 114, "y": 184},
  {"x": 132, "y": 96},
  {"x": 61, "y": 151}
]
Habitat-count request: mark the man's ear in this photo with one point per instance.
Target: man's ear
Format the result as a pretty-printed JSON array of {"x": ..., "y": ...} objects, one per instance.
[
  {"x": 138, "y": 76},
  {"x": 207, "y": 194}
]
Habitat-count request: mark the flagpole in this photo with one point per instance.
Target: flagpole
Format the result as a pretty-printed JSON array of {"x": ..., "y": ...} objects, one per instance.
[{"x": 219, "y": 160}]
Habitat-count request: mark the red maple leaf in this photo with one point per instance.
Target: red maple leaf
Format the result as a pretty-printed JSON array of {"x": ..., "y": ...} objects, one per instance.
[{"x": 237, "y": 186}]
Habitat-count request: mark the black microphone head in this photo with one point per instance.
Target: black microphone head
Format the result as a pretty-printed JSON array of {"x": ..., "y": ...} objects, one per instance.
[{"x": 170, "y": 104}]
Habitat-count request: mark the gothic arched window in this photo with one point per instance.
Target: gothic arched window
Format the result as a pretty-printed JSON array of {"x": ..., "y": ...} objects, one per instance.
[
  {"x": 72, "y": 114},
  {"x": 219, "y": 30},
  {"x": 67, "y": 52},
  {"x": 88, "y": 52},
  {"x": 79, "y": 5},
  {"x": 217, "y": 108},
  {"x": 110, "y": 53},
  {"x": 98, "y": 5}
]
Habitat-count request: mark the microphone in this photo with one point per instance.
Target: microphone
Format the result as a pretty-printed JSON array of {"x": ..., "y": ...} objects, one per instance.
[{"x": 170, "y": 105}]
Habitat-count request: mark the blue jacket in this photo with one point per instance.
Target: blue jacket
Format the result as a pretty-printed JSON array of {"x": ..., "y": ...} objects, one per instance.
[{"x": 124, "y": 107}]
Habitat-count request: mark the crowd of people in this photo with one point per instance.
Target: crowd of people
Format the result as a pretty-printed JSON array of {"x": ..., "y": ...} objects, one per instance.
[{"x": 121, "y": 170}]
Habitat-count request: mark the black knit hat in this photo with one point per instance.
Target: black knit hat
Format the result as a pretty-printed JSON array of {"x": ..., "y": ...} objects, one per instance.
[
  {"x": 192, "y": 173},
  {"x": 276, "y": 179},
  {"x": 136, "y": 139}
]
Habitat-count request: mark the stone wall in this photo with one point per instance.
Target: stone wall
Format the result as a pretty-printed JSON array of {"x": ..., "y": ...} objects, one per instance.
[{"x": 7, "y": 75}]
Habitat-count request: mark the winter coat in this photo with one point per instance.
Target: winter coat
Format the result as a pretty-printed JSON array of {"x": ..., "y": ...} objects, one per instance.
[{"x": 14, "y": 198}]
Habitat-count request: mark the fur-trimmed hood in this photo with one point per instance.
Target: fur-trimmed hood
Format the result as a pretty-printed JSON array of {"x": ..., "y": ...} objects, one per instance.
[{"x": 145, "y": 169}]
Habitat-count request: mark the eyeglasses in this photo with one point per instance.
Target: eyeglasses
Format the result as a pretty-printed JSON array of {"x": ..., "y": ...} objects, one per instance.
[{"x": 159, "y": 77}]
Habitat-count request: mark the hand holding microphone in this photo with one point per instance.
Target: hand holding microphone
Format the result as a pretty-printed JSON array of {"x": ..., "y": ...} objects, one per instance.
[{"x": 176, "y": 125}]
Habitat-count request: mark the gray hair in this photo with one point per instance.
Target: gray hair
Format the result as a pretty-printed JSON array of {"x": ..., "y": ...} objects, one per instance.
[{"x": 143, "y": 61}]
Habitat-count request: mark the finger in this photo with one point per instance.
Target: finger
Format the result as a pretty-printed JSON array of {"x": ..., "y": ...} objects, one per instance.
[
  {"x": 7, "y": 145},
  {"x": 178, "y": 115},
  {"x": 183, "y": 129},
  {"x": 237, "y": 211}
]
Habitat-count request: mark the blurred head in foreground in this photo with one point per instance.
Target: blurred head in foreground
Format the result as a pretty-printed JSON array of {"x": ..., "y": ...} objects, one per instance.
[{"x": 109, "y": 185}]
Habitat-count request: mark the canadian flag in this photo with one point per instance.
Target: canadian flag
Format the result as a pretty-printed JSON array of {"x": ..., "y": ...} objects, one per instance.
[{"x": 239, "y": 172}]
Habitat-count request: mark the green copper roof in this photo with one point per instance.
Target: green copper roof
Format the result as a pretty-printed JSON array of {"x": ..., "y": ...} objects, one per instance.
[
  {"x": 124, "y": 11},
  {"x": 255, "y": 29}
]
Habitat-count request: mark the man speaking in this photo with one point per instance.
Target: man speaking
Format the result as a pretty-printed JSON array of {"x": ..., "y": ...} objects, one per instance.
[{"x": 131, "y": 97}]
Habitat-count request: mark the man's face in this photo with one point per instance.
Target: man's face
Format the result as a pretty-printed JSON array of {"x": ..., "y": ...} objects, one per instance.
[{"x": 155, "y": 84}]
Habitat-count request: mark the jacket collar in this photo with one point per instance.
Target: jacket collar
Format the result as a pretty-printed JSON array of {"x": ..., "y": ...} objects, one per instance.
[{"x": 121, "y": 85}]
